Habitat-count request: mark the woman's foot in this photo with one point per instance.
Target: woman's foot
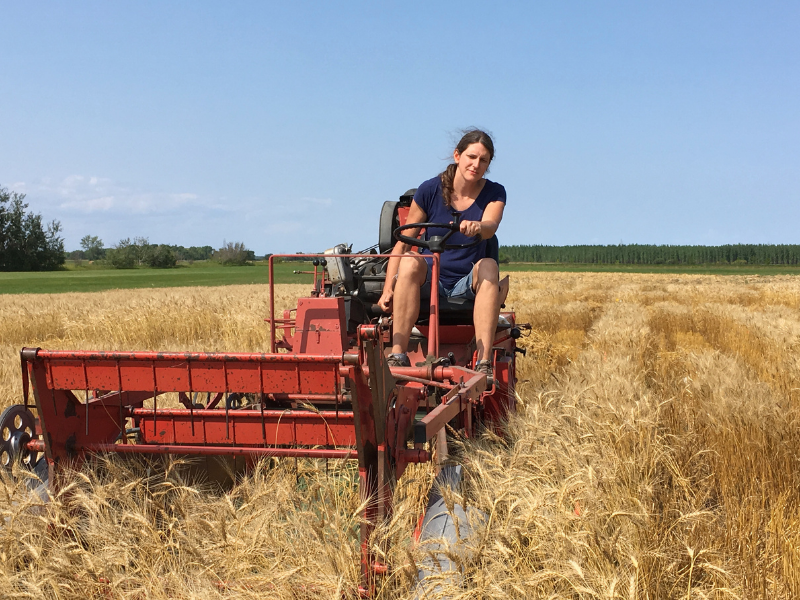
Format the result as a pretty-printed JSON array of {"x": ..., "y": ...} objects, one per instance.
[
  {"x": 485, "y": 367},
  {"x": 398, "y": 360}
]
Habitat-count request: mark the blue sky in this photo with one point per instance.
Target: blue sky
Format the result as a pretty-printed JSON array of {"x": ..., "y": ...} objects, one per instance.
[{"x": 286, "y": 125}]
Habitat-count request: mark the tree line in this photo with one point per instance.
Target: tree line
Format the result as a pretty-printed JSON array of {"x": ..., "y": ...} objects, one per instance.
[
  {"x": 649, "y": 254},
  {"x": 128, "y": 253},
  {"x": 139, "y": 252},
  {"x": 27, "y": 244}
]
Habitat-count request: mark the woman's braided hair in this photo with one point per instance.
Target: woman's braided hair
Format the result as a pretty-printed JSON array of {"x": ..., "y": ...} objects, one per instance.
[{"x": 473, "y": 136}]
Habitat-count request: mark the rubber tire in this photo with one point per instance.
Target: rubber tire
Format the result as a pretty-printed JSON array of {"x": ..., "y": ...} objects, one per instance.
[
  {"x": 386, "y": 226},
  {"x": 439, "y": 523}
]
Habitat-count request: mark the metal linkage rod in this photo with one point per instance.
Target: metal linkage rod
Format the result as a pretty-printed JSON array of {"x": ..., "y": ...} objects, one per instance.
[
  {"x": 333, "y": 453},
  {"x": 286, "y": 415}
]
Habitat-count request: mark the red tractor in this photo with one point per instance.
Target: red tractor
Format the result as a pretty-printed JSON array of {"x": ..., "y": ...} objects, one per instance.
[{"x": 324, "y": 389}]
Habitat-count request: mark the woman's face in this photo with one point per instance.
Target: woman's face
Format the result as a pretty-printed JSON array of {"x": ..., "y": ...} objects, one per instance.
[{"x": 473, "y": 162}]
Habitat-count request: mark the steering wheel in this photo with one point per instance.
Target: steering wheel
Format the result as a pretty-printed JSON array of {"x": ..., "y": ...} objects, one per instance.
[{"x": 436, "y": 243}]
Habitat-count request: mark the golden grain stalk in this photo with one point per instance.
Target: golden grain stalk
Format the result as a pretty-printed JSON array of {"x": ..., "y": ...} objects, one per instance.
[{"x": 655, "y": 454}]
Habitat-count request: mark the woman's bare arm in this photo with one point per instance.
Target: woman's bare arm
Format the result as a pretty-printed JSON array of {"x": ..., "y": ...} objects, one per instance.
[
  {"x": 415, "y": 215},
  {"x": 487, "y": 226}
]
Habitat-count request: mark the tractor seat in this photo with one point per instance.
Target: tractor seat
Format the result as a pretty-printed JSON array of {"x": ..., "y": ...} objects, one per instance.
[{"x": 452, "y": 311}]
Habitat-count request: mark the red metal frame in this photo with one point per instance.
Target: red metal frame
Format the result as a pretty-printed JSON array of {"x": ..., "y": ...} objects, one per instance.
[
  {"x": 433, "y": 319},
  {"x": 340, "y": 403},
  {"x": 372, "y": 421}
]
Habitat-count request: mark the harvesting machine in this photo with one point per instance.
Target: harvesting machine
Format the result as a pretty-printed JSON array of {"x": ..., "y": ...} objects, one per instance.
[{"x": 324, "y": 389}]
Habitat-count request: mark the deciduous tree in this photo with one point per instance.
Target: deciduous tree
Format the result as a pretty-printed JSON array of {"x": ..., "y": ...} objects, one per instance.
[
  {"x": 92, "y": 247},
  {"x": 123, "y": 255},
  {"x": 234, "y": 253},
  {"x": 161, "y": 257},
  {"x": 25, "y": 244}
]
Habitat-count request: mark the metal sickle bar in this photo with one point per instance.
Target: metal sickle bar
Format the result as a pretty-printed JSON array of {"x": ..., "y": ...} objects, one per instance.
[
  {"x": 223, "y": 450},
  {"x": 410, "y": 456}
]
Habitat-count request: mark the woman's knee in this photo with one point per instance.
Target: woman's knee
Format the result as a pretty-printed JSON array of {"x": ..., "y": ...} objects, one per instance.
[
  {"x": 413, "y": 267},
  {"x": 486, "y": 269}
]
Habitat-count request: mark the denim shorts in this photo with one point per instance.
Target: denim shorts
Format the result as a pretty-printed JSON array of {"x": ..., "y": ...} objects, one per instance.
[{"x": 462, "y": 288}]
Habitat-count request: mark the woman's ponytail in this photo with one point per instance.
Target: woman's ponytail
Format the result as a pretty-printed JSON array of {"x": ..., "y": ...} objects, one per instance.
[{"x": 447, "y": 177}]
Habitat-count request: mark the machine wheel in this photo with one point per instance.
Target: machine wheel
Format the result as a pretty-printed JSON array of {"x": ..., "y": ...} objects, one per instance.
[
  {"x": 451, "y": 527},
  {"x": 387, "y": 224},
  {"x": 17, "y": 428}
]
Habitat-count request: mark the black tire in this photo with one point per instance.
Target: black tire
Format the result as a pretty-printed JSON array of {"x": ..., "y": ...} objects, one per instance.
[{"x": 386, "y": 226}]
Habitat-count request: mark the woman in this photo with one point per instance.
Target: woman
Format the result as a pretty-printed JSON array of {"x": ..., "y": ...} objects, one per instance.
[{"x": 464, "y": 273}]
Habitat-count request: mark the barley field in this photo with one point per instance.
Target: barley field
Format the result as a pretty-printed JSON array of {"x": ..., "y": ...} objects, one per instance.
[{"x": 655, "y": 454}]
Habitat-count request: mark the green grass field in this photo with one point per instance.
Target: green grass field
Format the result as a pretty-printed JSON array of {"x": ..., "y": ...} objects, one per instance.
[
  {"x": 98, "y": 279},
  {"x": 95, "y": 279}
]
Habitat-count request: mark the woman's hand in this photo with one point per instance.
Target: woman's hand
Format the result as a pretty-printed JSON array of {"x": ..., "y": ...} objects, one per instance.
[
  {"x": 385, "y": 301},
  {"x": 470, "y": 228}
]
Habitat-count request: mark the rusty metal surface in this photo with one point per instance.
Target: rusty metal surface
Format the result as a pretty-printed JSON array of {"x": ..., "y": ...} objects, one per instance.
[{"x": 460, "y": 399}]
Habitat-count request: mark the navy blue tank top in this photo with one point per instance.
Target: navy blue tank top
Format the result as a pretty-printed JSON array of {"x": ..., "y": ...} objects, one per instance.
[{"x": 455, "y": 264}]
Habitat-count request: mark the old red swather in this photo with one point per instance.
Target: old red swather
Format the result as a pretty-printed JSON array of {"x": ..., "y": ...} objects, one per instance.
[{"x": 324, "y": 389}]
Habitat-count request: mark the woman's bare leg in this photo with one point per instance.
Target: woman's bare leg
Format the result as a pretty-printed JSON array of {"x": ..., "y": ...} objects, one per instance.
[
  {"x": 411, "y": 276},
  {"x": 485, "y": 276}
]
